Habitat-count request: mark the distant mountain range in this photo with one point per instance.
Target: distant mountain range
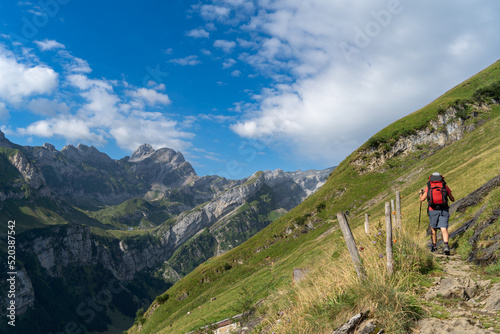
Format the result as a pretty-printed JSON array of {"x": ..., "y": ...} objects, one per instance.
[
  {"x": 84, "y": 219},
  {"x": 457, "y": 135}
]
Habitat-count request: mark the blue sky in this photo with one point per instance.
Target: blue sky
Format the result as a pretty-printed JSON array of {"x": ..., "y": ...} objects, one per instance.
[{"x": 235, "y": 85}]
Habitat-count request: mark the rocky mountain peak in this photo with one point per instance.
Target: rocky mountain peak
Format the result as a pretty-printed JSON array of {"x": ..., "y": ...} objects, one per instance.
[
  {"x": 168, "y": 155},
  {"x": 144, "y": 151},
  {"x": 162, "y": 155},
  {"x": 49, "y": 147},
  {"x": 4, "y": 142},
  {"x": 85, "y": 153}
]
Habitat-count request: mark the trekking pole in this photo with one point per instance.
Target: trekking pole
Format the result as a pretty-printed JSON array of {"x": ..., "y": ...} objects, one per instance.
[{"x": 420, "y": 212}]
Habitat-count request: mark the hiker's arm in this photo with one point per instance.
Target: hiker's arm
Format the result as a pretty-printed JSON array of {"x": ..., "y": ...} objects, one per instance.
[
  {"x": 423, "y": 196},
  {"x": 450, "y": 196}
]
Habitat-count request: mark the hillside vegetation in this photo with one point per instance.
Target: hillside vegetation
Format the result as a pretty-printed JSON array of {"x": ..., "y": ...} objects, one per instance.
[{"x": 308, "y": 236}]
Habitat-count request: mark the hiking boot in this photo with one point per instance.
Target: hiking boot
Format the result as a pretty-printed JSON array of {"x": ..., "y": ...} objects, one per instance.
[
  {"x": 447, "y": 249},
  {"x": 433, "y": 248}
]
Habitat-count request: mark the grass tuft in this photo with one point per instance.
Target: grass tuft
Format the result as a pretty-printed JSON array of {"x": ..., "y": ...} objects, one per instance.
[{"x": 332, "y": 293}]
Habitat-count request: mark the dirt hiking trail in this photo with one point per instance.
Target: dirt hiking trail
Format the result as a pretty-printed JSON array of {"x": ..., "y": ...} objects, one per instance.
[{"x": 460, "y": 301}]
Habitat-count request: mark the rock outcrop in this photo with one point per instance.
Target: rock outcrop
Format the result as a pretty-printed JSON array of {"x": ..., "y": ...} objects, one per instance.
[
  {"x": 75, "y": 244},
  {"x": 448, "y": 128},
  {"x": 28, "y": 170}
]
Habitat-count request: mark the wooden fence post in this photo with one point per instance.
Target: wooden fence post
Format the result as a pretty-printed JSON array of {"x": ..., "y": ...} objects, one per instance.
[
  {"x": 388, "y": 244},
  {"x": 367, "y": 224},
  {"x": 351, "y": 245},
  {"x": 393, "y": 211},
  {"x": 398, "y": 210}
]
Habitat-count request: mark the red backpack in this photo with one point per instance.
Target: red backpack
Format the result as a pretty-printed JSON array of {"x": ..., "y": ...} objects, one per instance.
[{"x": 437, "y": 196}]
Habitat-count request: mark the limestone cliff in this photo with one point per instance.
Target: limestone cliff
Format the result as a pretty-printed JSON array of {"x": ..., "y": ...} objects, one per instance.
[{"x": 449, "y": 127}]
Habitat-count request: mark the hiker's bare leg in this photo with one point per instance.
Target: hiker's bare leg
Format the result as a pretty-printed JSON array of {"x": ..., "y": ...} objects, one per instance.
[
  {"x": 444, "y": 232},
  {"x": 434, "y": 235}
]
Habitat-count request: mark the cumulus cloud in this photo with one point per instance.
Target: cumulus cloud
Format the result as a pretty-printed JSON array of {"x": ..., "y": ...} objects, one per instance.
[
  {"x": 74, "y": 64},
  {"x": 82, "y": 108},
  {"x": 134, "y": 131},
  {"x": 344, "y": 71},
  {"x": 105, "y": 114},
  {"x": 43, "y": 106},
  {"x": 187, "y": 61},
  {"x": 71, "y": 128},
  {"x": 213, "y": 12},
  {"x": 83, "y": 82},
  {"x": 228, "y": 63},
  {"x": 198, "y": 33},
  {"x": 47, "y": 44},
  {"x": 18, "y": 80},
  {"x": 226, "y": 46},
  {"x": 151, "y": 96}
]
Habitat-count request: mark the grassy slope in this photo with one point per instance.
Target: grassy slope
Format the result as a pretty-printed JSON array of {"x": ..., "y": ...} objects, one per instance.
[
  {"x": 265, "y": 262},
  {"x": 133, "y": 212}
]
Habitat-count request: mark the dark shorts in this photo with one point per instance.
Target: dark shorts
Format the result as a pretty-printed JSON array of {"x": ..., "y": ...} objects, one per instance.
[{"x": 439, "y": 218}]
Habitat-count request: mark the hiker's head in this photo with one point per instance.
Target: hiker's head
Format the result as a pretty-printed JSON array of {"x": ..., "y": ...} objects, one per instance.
[{"x": 436, "y": 177}]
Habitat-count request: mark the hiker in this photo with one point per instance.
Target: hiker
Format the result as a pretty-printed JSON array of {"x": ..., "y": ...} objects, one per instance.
[{"x": 437, "y": 193}]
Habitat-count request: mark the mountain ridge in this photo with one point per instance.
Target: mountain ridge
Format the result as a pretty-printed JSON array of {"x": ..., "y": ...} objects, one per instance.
[{"x": 78, "y": 209}]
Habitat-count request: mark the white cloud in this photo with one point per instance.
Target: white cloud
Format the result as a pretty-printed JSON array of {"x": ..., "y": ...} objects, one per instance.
[
  {"x": 198, "y": 33},
  {"x": 234, "y": 2},
  {"x": 47, "y": 44},
  {"x": 228, "y": 63},
  {"x": 83, "y": 82},
  {"x": 105, "y": 115},
  {"x": 156, "y": 86},
  {"x": 4, "y": 113},
  {"x": 344, "y": 71},
  {"x": 101, "y": 105},
  {"x": 189, "y": 60},
  {"x": 226, "y": 46},
  {"x": 43, "y": 106},
  {"x": 247, "y": 44},
  {"x": 158, "y": 133},
  {"x": 217, "y": 118},
  {"x": 35, "y": 12},
  {"x": 18, "y": 80},
  {"x": 74, "y": 64},
  {"x": 71, "y": 128},
  {"x": 96, "y": 111},
  {"x": 236, "y": 73},
  {"x": 151, "y": 96},
  {"x": 212, "y": 12},
  {"x": 227, "y": 11}
]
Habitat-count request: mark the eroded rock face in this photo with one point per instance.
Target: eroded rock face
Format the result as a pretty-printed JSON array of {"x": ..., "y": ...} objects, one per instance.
[
  {"x": 447, "y": 129},
  {"x": 191, "y": 222},
  {"x": 25, "y": 294},
  {"x": 289, "y": 188},
  {"x": 75, "y": 244},
  {"x": 28, "y": 170}
]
